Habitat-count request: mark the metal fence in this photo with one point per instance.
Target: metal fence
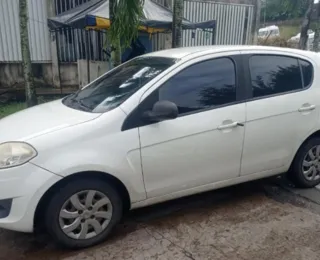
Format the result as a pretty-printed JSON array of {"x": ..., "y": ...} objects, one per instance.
[
  {"x": 233, "y": 23},
  {"x": 10, "y": 50},
  {"x": 233, "y": 27},
  {"x": 62, "y": 6},
  {"x": 75, "y": 44}
]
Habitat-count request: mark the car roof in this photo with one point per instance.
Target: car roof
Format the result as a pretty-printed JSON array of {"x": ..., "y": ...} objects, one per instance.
[{"x": 181, "y": 53}]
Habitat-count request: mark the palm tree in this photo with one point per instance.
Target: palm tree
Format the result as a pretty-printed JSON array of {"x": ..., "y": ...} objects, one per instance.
[
  {"x": 177, "y": 23},
  {"x": 31, "y": 98},
  {"x": 125, "y": 20}
]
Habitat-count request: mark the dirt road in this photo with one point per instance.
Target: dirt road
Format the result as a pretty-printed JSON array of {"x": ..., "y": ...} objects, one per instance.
[{"x": 235, "y": 223}]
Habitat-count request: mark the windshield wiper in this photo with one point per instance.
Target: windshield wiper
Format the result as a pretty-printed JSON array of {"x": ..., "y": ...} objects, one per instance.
[{"x": 81, "y": 104}]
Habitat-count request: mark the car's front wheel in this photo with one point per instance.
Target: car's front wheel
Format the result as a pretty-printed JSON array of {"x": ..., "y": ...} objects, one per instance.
[
  {"x": 83, "y": 213},
  {"x": 305, "y": 169}
]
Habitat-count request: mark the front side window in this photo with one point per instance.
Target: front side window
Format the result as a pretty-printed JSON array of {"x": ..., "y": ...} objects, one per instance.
[
  {"x": 271, "y": 75},
  {"x": 204, "y": 85},
  {"x": 115, "y": 87}
]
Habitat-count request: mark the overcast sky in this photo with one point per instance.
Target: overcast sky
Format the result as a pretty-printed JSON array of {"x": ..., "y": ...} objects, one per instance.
[{"x": 316, "y": 1}]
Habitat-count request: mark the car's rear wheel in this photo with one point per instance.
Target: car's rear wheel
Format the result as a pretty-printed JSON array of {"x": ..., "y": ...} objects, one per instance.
[
  {"x": 83, "y": 213},
  {"x": 305, "y": 170}
]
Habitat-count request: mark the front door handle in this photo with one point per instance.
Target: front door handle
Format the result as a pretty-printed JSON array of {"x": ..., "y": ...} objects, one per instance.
[
  {"x": 307, "y": 108},
  {"x": 231, "y": 125}
]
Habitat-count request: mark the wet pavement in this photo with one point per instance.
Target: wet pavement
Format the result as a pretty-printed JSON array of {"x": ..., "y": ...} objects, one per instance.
[{"x": 251, "y": 221}]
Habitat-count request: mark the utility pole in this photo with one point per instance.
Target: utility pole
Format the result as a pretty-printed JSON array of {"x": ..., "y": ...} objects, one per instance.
[
  {"x": 305, "y": 26},
  {"x": 265, "y": 12},
  {"x": 316, "y": 40},
  {"x": 31, "y": 98}
]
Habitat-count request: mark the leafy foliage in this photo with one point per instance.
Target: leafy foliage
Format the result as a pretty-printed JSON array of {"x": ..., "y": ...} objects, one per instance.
[
  {"x": 277, "y": 41},
  {"x": 285, "y": 9},
  {"x": 125, "y": 21}
]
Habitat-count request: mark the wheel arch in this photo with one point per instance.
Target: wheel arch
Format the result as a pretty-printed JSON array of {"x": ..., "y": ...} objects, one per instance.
[
  {"x": 313, "y": 135},
  {"x": 106, "y": 177}
]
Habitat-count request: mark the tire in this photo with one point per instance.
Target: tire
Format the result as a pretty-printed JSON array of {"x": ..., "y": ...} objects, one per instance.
[
  {"x": 296, "y": 173},
  {"x": 53, "y": 219}
]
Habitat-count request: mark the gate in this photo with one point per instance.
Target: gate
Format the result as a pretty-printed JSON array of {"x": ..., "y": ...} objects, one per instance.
[{"x": 233, "y": 23}]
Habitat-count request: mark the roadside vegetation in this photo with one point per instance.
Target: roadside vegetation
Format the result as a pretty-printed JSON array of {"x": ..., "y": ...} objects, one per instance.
[
  {"x": 9, "y": 109},
  {"x": 13, "y": 107}
]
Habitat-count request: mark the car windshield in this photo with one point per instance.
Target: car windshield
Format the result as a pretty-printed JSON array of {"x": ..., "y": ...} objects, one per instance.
[
  {"x": 263, "y": 33},
  {"x": 115, "y": 87}
]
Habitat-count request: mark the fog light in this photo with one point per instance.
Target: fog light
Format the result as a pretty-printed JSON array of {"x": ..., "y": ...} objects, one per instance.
[{"x": 5, "y": 207}]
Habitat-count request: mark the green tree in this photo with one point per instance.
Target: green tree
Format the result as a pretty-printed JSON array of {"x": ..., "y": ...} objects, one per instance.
[
  {"x": 276, "y": 10},
  {"x": 125, "y": 18},
  {"x": 177, "y": 23},
  {"x": 31, "y": 98}
]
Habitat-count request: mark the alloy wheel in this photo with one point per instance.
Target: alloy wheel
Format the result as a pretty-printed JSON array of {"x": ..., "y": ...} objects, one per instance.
[
  {"x": 85, "y": 214},
  {"x": 311, "y": 164}
]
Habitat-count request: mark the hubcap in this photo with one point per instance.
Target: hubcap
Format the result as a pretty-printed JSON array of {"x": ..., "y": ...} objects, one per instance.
[
  {"x": 311, "y": 164},
  {"x": 85, "y": 214}
]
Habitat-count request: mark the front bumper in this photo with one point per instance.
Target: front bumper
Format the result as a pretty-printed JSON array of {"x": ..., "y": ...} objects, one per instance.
[{"x": 21, "y": 189}]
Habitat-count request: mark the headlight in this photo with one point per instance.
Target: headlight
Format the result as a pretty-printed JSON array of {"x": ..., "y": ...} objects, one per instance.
[{"x": 15, "y": 153}]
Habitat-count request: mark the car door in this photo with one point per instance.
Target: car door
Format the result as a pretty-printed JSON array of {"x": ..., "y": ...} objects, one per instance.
[
  {"x": 204, "y": 144},
  {"x": 281, "y": 110}
]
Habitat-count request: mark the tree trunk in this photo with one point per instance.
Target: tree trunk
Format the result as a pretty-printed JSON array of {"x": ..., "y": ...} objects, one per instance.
[
  {"x": 305, "y": 26},
  {"x": 177, "y": 23},
  {"x": 316, "y": 40},
  {"x": 116, "y": 54},
  {"x": 31, "y": 98},
  {"x": 256, "y": 22},
  {"x": 115, "y": 46}
]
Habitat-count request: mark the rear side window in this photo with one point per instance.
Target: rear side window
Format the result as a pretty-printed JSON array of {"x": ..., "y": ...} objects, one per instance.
[
  {"x": 271, "y": 75},
  {"x": 307, "y": 71}
]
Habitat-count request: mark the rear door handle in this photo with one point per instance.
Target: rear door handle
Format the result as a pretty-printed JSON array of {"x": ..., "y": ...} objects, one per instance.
[
  {"x": 231, "y": 125},
  {"x": 307, "y": 108}
]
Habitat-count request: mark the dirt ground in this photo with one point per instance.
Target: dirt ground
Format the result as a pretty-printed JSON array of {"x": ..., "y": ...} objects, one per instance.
[{"x": 251, "y": 221}]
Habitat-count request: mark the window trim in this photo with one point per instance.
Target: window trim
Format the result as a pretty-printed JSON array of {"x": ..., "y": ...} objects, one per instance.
[
  {"x": 312, "y": 78},
  {"x": 236, "y": 59},
  {"x": 214, "y": 107},
  {"x": 250, "y": 97}
]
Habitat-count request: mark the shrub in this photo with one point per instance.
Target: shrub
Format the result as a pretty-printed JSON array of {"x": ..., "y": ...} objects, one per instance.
[{"x": 277, "y": 41}]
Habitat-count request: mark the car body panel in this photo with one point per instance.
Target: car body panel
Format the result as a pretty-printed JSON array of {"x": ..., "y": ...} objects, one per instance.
[
  {"x": 158, "y": 162},
  {"x": 97, "y": 146},
  {"x": 273, "y": 123},
  {"x": 40, "y": 120}
]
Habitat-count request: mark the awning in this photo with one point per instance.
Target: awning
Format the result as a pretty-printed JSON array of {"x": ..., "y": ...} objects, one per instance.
[{"x": 95, "y": 15}]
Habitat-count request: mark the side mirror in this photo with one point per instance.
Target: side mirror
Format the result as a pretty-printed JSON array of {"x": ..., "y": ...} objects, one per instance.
[{"x": 161, "y": 111}]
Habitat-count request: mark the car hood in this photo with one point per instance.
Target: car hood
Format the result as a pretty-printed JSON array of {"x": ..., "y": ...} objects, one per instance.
[{"x": 40, "y": 120}]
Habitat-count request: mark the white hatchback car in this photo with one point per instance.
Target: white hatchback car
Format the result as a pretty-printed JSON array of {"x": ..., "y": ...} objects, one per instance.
[{"x": 161, "y": 126}]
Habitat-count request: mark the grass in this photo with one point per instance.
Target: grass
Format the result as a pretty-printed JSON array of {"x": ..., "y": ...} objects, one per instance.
[
  {"x": 14, "y": 107},
  {"x": 9, "y": 109},
  {"x": 288, "y": 31}
]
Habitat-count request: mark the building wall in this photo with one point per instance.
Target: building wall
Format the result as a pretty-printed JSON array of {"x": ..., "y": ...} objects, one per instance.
[
  {"x": 10, "y": 50},
  {"x": 169, "y": 3},
  {"x": 233, "y": 23},
  {"x": 11, "y": 75}
]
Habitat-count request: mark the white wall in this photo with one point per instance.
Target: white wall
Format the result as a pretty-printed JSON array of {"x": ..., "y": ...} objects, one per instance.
[{"x": 10, "y": 50}]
